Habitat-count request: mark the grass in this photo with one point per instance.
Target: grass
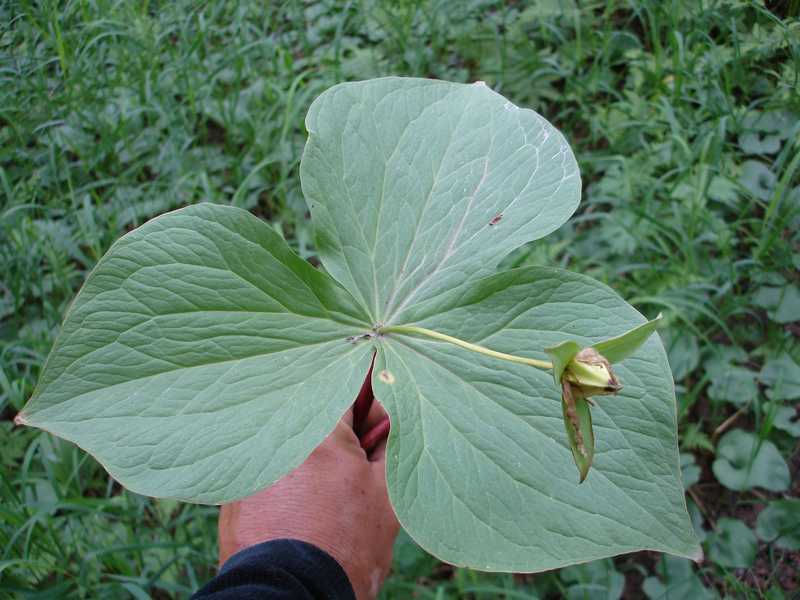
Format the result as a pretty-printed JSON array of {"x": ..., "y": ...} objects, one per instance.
[{"x": 685, "y": 118}]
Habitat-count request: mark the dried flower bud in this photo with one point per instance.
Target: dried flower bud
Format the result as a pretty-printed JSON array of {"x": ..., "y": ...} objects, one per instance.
[
  {"x": 587, "y": 374},
  {"x": 578, "y": 423},
  {"x": 590, "y": 374},
  {"x": 581, "y": 373}
]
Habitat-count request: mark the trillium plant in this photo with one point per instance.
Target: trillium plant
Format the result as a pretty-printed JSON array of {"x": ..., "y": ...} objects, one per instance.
[{"x": 203, "y": 359}]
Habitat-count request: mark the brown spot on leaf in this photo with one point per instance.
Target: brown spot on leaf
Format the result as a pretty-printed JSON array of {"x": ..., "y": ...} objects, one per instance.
[{"x": 496, "y": 219}]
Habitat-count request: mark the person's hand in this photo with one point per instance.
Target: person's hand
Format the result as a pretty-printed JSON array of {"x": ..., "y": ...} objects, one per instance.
[{"x": 336, "y": 500}]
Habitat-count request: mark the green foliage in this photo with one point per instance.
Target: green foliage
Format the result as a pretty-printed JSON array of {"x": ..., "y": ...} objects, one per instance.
[
  {"x": 598, "y": 580},
  {"x": 732, "y": 544},
  {"x": 784, "y": 418},
  {"x": 779, "y": 523},
  {"x": 676, "y": 579},
  {"x": 689, "y": 470},
  {"x": 112, "y": 113},
  {"x": 744, "y": 462},
  {"x": 782, "y": 376}
]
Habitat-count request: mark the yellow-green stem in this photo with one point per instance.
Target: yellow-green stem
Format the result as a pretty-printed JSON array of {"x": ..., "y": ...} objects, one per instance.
[{"x": 412, "y": 329}]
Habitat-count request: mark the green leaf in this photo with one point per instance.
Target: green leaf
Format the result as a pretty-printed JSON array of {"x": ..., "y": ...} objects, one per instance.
[
  {"x": 417, "y": 186},
  {"x": 694, "y": 438},
  {"x": 744, "y": 462},
  {"x": 774, "y": 593},
  {"x": 684, "y": 354},
  {"x": 730, "y": 382},
  {"x": 596, "y": 580},
  {"x": 732, "y": 544},
  {"x": 192, "y": 361},
  {"x": 758, "y": 179},
  {"x": 754, "y": 143},
  {"x": 697, "y": 520},
  {"x": 690, "y": 470},
  {"x": 676, "y": 579},
  {"x": 782, "y": 376},
  {"x": 543, "y": 9},
  {"x": 782, "y": 303},
  {"x": 477, "y": 452},
  {"x": 621, "y": 347},
  {"x": 723, "y": 190},
  {"x": 779, "y": 524},
  {"x": 785, "y": 418}
]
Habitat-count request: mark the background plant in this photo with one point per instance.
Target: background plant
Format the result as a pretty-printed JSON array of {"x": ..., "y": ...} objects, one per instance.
[{"x": 684, "y": 120}]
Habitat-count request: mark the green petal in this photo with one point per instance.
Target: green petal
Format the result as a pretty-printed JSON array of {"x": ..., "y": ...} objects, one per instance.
[
  {"x": 581, "y": 438},
  {"x": 561, "y": 354},
  {"x": 621, "y": 347}
]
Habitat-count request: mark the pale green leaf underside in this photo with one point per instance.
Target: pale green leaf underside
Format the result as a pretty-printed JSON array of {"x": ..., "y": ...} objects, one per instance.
[
  {"x": 479, "y": 469},
  {"x": 416, "y": 186},
  {"x": 202, "y": 359}
]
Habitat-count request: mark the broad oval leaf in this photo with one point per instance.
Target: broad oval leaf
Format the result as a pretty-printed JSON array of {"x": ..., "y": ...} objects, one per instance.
[
  {"x": 192, "y": 362},
  {"x": 478, "y": 464},
  {"x": 782, "y": 376},
  {"x": 415, "y": 186},
  {"x": 744, "y": 462},
  {"x": 732, "y": 544},
  {"x": 678, "y": 580},
  {"x": 779, "y": 523}
]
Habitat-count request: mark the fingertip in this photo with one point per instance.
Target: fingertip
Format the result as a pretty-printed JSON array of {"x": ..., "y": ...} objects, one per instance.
[{"x": 376, "y": 414}]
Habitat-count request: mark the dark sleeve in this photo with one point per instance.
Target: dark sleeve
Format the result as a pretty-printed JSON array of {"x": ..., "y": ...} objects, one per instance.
[{"x": 279, "y": 570}]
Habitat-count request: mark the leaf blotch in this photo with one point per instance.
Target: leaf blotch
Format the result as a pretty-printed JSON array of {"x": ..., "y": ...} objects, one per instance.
[{"x": 386, "y": 377}]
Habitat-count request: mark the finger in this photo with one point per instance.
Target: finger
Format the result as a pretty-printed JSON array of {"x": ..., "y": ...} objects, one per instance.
[
  {"x": 378, "y": 454},
  {"x": 363, "y": 401},
  {"x": 375, "y": 436},
  {"x": 376, "y": 414}
]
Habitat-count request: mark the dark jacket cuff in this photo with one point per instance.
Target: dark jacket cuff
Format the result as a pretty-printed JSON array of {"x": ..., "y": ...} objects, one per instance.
[{"x": 278, "y": 570}]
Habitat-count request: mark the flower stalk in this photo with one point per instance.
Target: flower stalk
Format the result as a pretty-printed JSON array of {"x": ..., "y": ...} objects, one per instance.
[{"x": 413, "y": 329}]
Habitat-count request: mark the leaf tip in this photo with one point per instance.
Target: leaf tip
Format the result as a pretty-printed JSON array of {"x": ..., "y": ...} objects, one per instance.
[
  {"x": 697, "y": 556},
  {"x": 20, "y": 419}
]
